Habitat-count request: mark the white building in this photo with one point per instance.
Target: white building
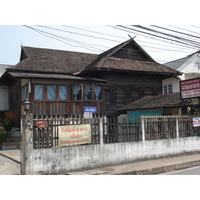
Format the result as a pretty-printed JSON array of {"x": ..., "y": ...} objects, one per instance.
[{"x": 189, "y": 66}]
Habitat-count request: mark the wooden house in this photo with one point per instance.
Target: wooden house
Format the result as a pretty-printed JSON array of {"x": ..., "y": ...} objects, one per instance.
[
  {"x": 130, "y": 74},
  {"x": 64, "y": 82},
  {"x": 44, "y": 77}
]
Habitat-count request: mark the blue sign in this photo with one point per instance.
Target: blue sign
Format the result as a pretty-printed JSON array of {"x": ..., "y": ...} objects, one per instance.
[{"x": 90, "y": 109}]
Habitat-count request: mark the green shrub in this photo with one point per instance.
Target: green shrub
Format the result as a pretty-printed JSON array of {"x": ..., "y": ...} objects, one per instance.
[
  {"x": 8, "y": 123},
  {"x": 2, "y": 135}
]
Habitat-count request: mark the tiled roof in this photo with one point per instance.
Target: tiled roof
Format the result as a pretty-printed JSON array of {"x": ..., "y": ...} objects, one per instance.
[
  {"x": 49, "y": 60},
  {"x": 160, "y": 101}
]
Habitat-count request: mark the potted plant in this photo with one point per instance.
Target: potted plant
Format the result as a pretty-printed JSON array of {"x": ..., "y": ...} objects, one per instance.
[{"x": 2, "y": 136}]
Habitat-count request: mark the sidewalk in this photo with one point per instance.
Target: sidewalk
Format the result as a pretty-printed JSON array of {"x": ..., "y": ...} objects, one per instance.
[
  {"x": 10, "y": 162},
  {"x": 148, "y": 167}
]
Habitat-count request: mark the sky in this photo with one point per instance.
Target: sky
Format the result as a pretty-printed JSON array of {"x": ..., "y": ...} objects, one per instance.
[
  {"x": 90, "y": 16},
  {"x": 83, "y": 38}
]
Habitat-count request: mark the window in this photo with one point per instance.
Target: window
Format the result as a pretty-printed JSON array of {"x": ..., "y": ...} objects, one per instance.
[
  {"x": 25, "y": 92},
  {"x": 197, "y": 64},
  {"x": 170, "y": 88},
  {"x": 167, "y": 89},
  {"x": 98, "y": 92},
  {"x": 62, "y": 92},
  {"x": 87, "y": 92},
  {"x": 77, "y": 92},
  {"x": 51, "y": 92},
  {"x": 39, "y": 92}
]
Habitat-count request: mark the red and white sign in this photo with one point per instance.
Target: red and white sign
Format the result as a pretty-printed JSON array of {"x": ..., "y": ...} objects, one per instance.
[
  {"x": 196, "y": 121},
  {"x": 190, "y": 88}
]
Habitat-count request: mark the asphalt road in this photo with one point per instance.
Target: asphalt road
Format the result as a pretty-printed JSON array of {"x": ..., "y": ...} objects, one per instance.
[{"x": 188, "y": 171}]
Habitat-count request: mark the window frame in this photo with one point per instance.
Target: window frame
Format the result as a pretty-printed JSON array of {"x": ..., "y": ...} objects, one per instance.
[
  {"x": 69, "y": 92},
  {"x": 25, "y": 92},
  {"x": 168, "y": 88},
  {"x": 44, "y": 92}
]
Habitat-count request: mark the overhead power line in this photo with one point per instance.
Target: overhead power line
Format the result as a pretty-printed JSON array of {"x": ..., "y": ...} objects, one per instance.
[
  {"x": 164, "y": 39},
  {"x": 157, "y": 37},
  {"x": 177, "y": 38},
  {"x": 80, "y": 34},
  {"x": 176, "y": 31},
  {"x": 184, "y": 29},
  {"x": 95, "y": 32},
  {"x": 56, "y": 38}
]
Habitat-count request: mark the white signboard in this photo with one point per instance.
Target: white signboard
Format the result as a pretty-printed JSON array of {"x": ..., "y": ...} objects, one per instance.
[
  {"x": 74, "y": 134},
  {"x": 190, "y": 88},
  {"x": 196, "y": 122}
]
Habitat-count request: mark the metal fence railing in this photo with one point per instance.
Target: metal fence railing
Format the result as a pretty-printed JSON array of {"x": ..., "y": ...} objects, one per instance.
[
  {"x": 45, "y": 129},
  {"x": 114, "y": 129},
  {"x": 121, "y": 130}
]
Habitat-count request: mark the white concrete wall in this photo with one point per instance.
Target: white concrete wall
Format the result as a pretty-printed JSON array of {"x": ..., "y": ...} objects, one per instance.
[
  {"x": 174, "y": 82},
  {"x": 65, "y": 159}
]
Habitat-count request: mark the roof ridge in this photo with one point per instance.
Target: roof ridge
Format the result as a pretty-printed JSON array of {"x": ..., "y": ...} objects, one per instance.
[{"x": 24, "y": 47}]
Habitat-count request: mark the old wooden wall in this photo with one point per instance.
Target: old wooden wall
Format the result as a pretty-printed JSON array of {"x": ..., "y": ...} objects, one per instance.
[{"x": 122, "y": 89}]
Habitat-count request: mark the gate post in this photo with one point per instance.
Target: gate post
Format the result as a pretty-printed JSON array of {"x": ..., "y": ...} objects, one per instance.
[
  {"x": 27, "y": 144},
  {"x": 101, "y": 128},
  {"x": 143, "y": 128},
  {"x": 177, "y": 128}
]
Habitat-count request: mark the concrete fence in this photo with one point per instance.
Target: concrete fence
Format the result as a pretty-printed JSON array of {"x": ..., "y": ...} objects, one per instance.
[{"x": 61, "y": 160}]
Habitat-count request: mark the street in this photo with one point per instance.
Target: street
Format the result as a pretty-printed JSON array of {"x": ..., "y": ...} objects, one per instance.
[{"x": 188, "y": 171}]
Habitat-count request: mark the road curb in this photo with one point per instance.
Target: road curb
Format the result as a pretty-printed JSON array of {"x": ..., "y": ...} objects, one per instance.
[
  {"x": 142, "y": 171},
  {"x": 162, "y": 169},
  {"x": 8, "y": 157}
]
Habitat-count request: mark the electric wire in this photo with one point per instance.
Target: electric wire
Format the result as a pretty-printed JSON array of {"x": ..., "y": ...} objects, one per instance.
[
  {"x": 176, "y": 31},
  {"x": 108, "y": 47},
  {"x": 176, "y": 43},
  {"x": 43, "y": 33},
  {"x": 155, "y": 37},
  {"x": 176, "y": 48},
  {"x": 184, "y": 29},
  {"x": 94, "y": 32},
  {"x": 82, "y": 34},
  {"x": 178, "y": 39}
]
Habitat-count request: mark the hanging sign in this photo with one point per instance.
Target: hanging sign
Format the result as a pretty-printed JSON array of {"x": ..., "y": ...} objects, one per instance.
[
  {"x": 196, "y": 122},
  {"x": 88, "y": 111},
  {"x": 74, "y": 134},
  {"x": 190, "y": 88}
]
